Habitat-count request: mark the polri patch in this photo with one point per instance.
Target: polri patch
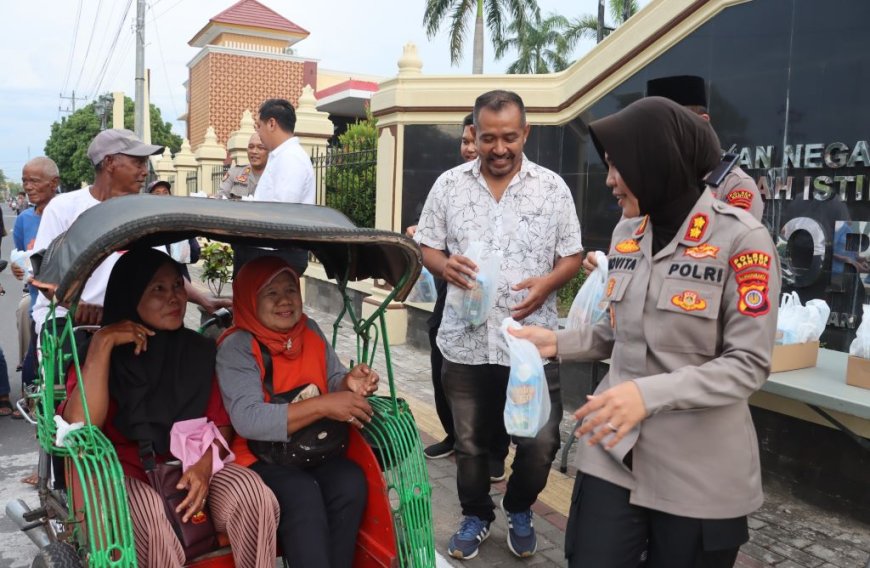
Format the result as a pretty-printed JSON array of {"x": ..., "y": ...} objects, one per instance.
[
  {"x": 641, "y": 229},
  {"x": 753, "y": 299},
  {"x": 697, "y": 227},
  {"x": 752, "y": 275},
  {"x": 689, "y": 300},
  {"x": 627, "y": 246},
  {"x": 739, "y": 197},
  {"x": 702, "y": 251},
  {"x": 750, "y": 259}
]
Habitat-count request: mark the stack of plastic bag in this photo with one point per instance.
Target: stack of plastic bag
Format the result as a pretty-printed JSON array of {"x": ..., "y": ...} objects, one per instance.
[
  {"x": 800, "y": 324},
  {"x": 860, "y": 346},
  {"x": 590, "y": 304},
  {"x": 527, "y": 406},
  {"x": 424, "y": 288},
  {"x": 476, "y": 303}
]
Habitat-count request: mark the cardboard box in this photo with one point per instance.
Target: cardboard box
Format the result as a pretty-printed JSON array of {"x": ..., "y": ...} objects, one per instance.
[
  {"x": 858, "y": 372},
  {"x": 794, "y": 356}
]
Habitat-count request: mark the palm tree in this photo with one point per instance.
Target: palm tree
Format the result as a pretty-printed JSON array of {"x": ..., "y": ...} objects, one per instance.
[
  {"x": 458, "y": 12},
  {"x": 587, "y": 25},
  {"x": 542, "y": 45}
]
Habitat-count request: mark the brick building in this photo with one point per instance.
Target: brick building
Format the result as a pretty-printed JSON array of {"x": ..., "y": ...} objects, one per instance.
[{"x": 246, "y": 57}]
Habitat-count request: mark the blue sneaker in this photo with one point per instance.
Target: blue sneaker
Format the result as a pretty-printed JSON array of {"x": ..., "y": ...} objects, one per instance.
[
  {"x": 465, "y": 543},
  {"x": 521, "y": 533}
]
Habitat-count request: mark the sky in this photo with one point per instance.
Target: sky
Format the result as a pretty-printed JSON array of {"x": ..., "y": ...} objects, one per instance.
[{"x": 43, "y": 54}]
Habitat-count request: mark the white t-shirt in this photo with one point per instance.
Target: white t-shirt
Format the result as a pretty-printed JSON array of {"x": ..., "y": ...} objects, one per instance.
[
  {"x": 289, "y": 175},
  {"x": 59, "y": 214}
]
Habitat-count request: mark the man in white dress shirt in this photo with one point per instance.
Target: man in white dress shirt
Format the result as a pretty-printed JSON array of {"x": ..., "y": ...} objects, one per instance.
[{"x": 288, "y": 177}]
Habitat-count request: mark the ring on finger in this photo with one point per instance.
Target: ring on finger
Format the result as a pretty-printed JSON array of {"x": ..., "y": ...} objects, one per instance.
[
  {"x": 351, "y": 419},
  {"x": 612, "y": 427}
]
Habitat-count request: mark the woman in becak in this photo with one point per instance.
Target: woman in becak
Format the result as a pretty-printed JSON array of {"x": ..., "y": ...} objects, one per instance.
[
  {"x": 670, "y": 460},
  {"x": 143, "y": 372},
  {"x": 274, "y": 348}
]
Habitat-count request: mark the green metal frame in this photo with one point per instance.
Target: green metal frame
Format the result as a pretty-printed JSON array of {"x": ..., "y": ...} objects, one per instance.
[
  {"x": 394, "y": 437},
  {"x": 101, "y": 527}
]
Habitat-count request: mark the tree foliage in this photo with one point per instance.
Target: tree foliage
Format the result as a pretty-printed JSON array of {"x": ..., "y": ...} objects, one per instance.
[
  {"x": 586, "y": 26},
  {"x": 69, "y": 140},
  {"x": 542, "y": 46},
  {"x": 497, "y": 14},
  {"x": 350, "y": 173}
]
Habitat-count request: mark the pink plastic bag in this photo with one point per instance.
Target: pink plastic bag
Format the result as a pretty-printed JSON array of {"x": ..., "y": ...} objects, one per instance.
[{"x": 190, "y": 439}]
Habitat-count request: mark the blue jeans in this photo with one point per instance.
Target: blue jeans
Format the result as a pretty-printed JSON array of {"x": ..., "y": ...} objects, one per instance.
[{"x": 477, "y": 397}]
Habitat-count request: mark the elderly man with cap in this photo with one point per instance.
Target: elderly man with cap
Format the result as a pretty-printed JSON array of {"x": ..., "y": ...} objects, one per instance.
[
  {"x": 120, "y": 161},
  {"x": 737, "y": 187},
  {"x": 241, "y": 181}
]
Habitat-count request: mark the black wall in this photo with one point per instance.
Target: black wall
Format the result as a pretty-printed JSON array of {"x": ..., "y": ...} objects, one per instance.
[{"x": 779, "y": 72}]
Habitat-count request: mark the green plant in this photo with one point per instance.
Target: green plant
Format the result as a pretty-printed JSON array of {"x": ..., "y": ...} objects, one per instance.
[
  {"x": 566, "y": 293},
  {"x": 350, "y": 174},
  {"x": 217, "y": 266}
]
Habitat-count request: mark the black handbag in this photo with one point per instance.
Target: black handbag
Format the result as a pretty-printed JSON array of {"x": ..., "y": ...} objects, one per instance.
[
  {"x": 197, "y": 536},
  {"x": 308, "y": 447}
]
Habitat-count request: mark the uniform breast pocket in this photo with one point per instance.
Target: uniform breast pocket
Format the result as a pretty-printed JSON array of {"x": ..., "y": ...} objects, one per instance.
[
  {"x": 614, "y": 291},
  {"x": 688, "y": 316}
]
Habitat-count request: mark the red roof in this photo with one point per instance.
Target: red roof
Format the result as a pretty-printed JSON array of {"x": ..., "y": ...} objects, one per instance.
[
  {"x": 352, "y": 84},
  {"x": 252, "y": 13}
]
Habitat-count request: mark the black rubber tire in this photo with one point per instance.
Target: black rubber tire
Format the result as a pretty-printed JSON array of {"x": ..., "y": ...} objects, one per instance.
[{"x": 57, "y": 555}]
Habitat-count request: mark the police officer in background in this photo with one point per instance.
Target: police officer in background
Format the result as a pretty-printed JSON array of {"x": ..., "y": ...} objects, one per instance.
[
  {"x": 241, "y": 181},
  {"x": 737, "y": 188}
]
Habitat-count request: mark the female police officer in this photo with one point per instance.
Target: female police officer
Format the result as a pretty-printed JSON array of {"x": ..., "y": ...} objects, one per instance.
[{"x": 670, "y": 462}]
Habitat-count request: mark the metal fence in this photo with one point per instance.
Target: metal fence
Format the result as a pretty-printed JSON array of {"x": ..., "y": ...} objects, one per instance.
[
  {"x": 217, "y": 175},
  {"x": 191, "y": 182},
  {"x": 347, "y": 176}
]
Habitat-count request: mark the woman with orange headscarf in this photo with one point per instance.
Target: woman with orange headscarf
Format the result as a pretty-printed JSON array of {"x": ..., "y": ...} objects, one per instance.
[{"x": 273, "y": 347}]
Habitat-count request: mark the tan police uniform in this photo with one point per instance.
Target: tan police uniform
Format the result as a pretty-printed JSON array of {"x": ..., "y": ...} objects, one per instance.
[
  {"x": 238, "y": 182},
  {"x": 694, "y": 328},
  {"x": 739, "y": 189}
]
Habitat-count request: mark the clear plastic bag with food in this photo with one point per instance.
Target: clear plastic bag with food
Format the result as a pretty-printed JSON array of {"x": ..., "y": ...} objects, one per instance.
[
  {"x": 590, "y": 304},
  {"x": 424, "y": 288},
  {"x": 860, "y": 346},
  {"x": 527, "y": 405},
  {"x": 475, "y": 303}
]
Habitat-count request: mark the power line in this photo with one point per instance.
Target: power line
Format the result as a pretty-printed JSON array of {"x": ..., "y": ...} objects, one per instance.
[
  {"x": 93, "y": 70},
  {"x": 73, "y": 49},
  {"x": 88, "y": 49},
  {"x": 102, "y": 74},
  {"x": 170, "y": 8},
  {"x": 162, "y": 59}
]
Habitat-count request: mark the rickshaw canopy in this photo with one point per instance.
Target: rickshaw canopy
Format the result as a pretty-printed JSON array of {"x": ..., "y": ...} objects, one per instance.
[{"x": 118, "y": 224}]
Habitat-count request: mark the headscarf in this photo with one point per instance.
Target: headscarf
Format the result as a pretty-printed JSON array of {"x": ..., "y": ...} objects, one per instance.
[
  {"x": 662, "y": 151},
  {"x": 252, "y": 277},
  {"x": 170, "y": 381}
]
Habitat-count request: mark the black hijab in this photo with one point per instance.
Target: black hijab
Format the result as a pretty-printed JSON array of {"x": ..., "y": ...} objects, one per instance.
[
  {"x": 662, "y": 151},
  {"x": 172, "y": 380}
]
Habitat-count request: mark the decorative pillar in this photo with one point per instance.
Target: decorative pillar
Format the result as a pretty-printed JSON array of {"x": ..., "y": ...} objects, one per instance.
[
  {"x": 118, "y": 109},
  {"x": 410, "y": 64},
  {"x": 185, "y": 163},
  {"x": 164, "y": 168},
  {"x": 237, "y": 144},
  {"x": 314, "y": 129},
  {"x": 210, "y": 156}
]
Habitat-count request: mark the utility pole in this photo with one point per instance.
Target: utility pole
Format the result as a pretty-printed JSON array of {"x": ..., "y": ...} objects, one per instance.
[
  {"x": 139, "y": 116},
  {"x": 72, "y": 99},
  {"x": 626, "y": 10},
  {"x": 600, "y": 34}
]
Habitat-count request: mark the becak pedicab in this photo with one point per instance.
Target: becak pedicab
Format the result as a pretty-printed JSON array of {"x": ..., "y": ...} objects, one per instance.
[{"x": 82, "y": 519}]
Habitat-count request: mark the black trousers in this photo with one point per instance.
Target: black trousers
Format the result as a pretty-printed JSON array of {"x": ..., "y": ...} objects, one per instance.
[
  {"x": 477, "y": 397},
  {"x": 606, "y": 531},
  {"x": 321, "y": 510}
]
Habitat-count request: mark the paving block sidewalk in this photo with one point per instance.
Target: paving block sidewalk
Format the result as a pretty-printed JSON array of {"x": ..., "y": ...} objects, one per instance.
[{"x": 785, "y": 532}]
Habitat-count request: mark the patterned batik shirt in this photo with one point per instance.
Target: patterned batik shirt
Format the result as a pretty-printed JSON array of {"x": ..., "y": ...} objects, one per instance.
[{"x": 533, "y": 224}]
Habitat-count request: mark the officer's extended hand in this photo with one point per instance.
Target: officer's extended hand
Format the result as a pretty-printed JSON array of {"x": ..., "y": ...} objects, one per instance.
[
  {"x": 615, "y": 411},
  {"x": 590, "y": 263},
  {"x": 538, "y": 292},
  {"x": 543, "y": 338},
  {"x": 460, "y": 271}
]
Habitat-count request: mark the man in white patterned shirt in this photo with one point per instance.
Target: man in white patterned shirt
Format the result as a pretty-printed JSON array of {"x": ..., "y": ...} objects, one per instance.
[{"x": 526, "y": 213}]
